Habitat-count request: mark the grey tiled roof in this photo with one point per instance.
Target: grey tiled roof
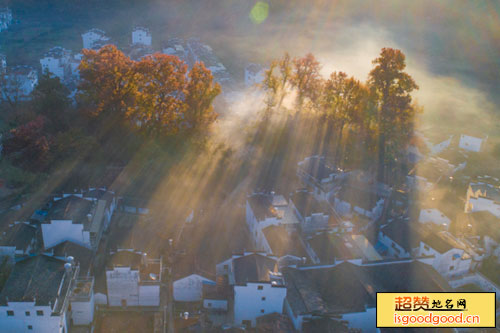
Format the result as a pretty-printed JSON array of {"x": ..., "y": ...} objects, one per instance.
[{"x": 33, "y": 278}]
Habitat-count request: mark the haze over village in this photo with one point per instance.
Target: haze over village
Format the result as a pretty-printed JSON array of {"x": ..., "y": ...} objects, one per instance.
[{"x": 262, "y": 166}]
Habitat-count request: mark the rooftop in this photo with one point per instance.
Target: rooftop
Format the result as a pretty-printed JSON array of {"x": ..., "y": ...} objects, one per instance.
[
  {"x": 36, "y": 279},
  {"x": 283, "y": 242},
  {"x": 307, "y": 205},
  {"x": 82, "y": 255},
  {"x": 403, "y": 233},
  {"x": 262, "y": 206},
  {"x": 349, "y": 288},
  {"x": 253, "y": 268},
  {"x": 19, "y": 235}
]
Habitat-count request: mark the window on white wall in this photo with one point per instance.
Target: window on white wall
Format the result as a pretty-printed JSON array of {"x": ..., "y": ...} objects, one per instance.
[
  {"x": 260, "y": 287},
  {"x": 10, "y": 313}
]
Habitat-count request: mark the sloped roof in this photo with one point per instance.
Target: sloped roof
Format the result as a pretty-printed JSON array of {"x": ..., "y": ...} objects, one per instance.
[
  {"x": 253, "y": 268},
  {"x": 403, "y": 233},
  {"x": 282, "y": 242},
  {"x": 307, "y": 205},
  {"x": 82, "y": 255},
  {"x": 71, "y": 208},
  {"x": 262, "y": 206},
  {"x": 349, "y": 288},
  {"x": 34, "y": 277},
  {"x": 20, "y": 235}
]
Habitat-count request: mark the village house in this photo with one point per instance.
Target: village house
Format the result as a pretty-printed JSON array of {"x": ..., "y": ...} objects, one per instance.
[
  {"x": 133, "y": 279},
  {"x": 452, "y": 257},
  {"x": 20, "y": 81},
  {"x": 56, "y": 62},
  {"x": 254, "y": 74},
  {"x": 5, "y": 18},
  {"x": 266, "y": 209},
  {"x": 141, "y": 36},
  {"x": 359, "y": 194},
  {"x": 481, "y": 228},
  {"x": 285, "y": 244},
  {"x": 435, "y": 216},
  {"x": 483, "y": 197},
  {"x": 257, "y": 286},
  {"x": 312, "y": 215},
  {"x": 398, "y": 239},
  {"x": 61, "y": 63},
  {"x": 317, "y": 174},
  {"x": 77, "y": 217},
  {"x": 69, "y": 251},
  {"x": 3, "y": 64},
  {"x": 94, "y": 39},
  {"x": 36, "y": 296},
  {"x": 330, "y": 248},
  {"x": 347, "y": 292},
  {"x": 190, "y": 288},
  {"x": 18, "y": 240},
  {"x": 470, "y": 143}
]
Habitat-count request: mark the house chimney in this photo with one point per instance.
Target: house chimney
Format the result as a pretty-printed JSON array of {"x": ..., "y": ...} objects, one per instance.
[
  {"x": 89, "y": 216},
  {"x": 68, "y": 268},
  {"x": 70, "y": 260},
  {"x": 145, "y": 259}
]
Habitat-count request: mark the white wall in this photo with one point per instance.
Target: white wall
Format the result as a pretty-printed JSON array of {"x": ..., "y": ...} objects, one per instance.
[
  {"x": 122, "y": 283},
  {"x": 20, "y": 321},
  {"x": 190, "y": 288},
  {"x": 448, "y": 264},
  {"x": 215, "y": 304},
  {"x": 141, "y": 37},
  {"x": 58, "y": 231},
  {"x": 435, "y": 216},
  {"x": 483, "y": 204},
  {"x": 149, "y": 294},
  {"x": 393, "y": 249},
  {"x": 470, "y": 143},
  {"x": 249, "y": 303},
  {"x": 82, "y": 313}
]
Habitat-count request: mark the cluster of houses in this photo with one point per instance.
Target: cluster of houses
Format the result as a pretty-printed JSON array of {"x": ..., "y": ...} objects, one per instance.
[
  {"x": 54, "y": 284},
  {"x": 317, "y": 258},
  {"x": 5, "y": 18},
  {"x": 320, "y": 254}
]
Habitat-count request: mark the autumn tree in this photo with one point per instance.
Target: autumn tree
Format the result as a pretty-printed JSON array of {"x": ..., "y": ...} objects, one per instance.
[
  {"x": 107, "y": 81},
  {"x": 50, "y": 99},
  {"x": 201, "y": 90},
  {"x": 156, "y": 95},
  {"x": 343, "y": 103},
  {"x": 28, "y": 145},
  {"x": 391, "y": 87},
  {"x": 306, "y": 79},
  {"x": 158, "y": 105},
  {"x": 277, "y": 80}
]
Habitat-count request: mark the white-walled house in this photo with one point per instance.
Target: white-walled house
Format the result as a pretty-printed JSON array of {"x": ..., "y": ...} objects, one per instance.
[
  {"x": 399, "y": 239},
  {"x": 435, "y": 216},
  {"x": 18, "y": 240},
  {"x": 78, "y": 217},
  {"x": 5, "y": 18},
  {"x": 141, "y": 36},
  {"x": 94, "y": 39},
  {"x": 312, "y": 214},
  {"x": 132, "y": 279},
  {"x": 254, "y": 74},
  {"x": 347, "y": 291},
  {"x": 56, "y": 62},
  {"x": 317, "y": 173},
  {"x": 36, "y": 296},
  {"x": 484, "y": 227},
  {"x": 190, "y": 288},
  {"x": 483, "y": 197},
  {"x": 452, "y": 258},
  {"x": 20, "y": 82},
  {"x": 470, "y": 143},
  {"x": 257, "y": 286},
  {"x": 266, "y": 209}
]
